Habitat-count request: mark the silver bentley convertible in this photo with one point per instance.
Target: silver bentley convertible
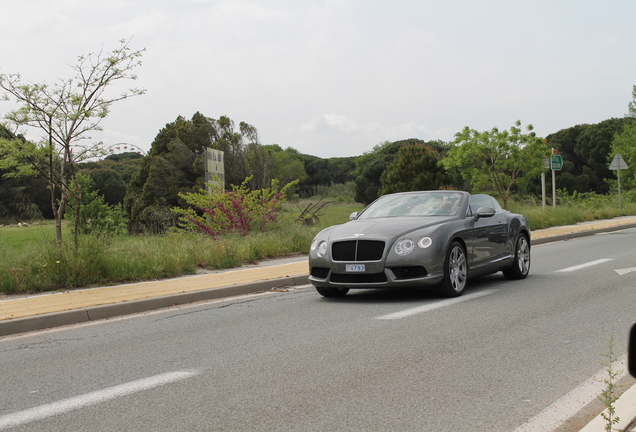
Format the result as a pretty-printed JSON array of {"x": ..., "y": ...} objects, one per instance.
[{"x": 424, "y": 238}]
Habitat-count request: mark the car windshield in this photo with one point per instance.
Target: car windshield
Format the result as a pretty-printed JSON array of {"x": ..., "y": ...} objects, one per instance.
[{"x": 414, "y": 204}]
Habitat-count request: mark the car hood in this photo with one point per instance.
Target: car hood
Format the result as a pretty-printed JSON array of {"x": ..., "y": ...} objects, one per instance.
[{"x": 383, "y": 228}]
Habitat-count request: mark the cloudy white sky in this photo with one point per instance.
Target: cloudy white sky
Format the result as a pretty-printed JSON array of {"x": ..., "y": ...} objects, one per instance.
[{"x": 337, "y": 77}]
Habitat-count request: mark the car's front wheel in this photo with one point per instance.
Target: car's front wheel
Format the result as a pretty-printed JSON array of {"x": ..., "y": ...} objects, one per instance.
[
  {"x": 455, "y": 271},
  {"x": 521, "y": 265},
  {"x": 332, "y": 292}
]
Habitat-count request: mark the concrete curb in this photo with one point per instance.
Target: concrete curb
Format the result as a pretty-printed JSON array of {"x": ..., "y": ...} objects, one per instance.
[
  {"x": 577, "y": 234},
  {"x": 94, "y": 313},
  {"x": 625, "y": 406}
]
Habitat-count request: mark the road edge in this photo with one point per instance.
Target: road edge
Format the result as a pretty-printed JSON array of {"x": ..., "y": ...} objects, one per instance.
[{"x": 95, "y": 313}]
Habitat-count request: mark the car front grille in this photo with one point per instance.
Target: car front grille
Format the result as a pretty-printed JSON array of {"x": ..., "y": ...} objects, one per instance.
[
  {"x": 357, "y": 250},
  {"x": 358, "y": 278}
]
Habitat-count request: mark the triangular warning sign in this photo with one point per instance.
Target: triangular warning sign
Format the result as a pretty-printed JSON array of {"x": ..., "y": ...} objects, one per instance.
[{"x": 618, "y": 163}]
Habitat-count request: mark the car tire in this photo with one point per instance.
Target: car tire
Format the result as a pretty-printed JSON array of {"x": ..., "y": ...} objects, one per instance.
[
  {"x": 455, "y": 271},
  {"x": 332, "y": 292},
  {"x": 521, "y": 264}
]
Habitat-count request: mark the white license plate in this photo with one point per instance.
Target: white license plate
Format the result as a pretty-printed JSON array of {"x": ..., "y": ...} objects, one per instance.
[{"x": 355, "y": 267}]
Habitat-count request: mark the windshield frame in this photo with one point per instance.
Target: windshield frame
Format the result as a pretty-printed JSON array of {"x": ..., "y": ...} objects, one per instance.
[{"x": 415, "y": 204}]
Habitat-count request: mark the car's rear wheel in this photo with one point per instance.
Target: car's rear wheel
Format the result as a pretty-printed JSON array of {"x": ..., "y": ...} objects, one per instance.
[
  {"x": 332, "y": 292},
  {"x": 455, "y": 271},
  {"x": 521, "y": 265}
]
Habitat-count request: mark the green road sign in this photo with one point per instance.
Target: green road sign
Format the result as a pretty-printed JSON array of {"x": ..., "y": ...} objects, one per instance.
[{"x": 556, "y": 162}]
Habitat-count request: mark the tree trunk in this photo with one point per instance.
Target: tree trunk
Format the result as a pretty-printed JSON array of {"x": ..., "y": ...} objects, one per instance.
[
  {"x": 78, "y": 213},
  {"x": 56, "y": 215},
  {"x": 58, "y": 208},
  {"x": 58, "y": 227}
]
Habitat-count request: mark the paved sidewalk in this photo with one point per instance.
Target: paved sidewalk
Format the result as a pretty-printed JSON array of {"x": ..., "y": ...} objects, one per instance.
[{"x": 44, "y": 311}]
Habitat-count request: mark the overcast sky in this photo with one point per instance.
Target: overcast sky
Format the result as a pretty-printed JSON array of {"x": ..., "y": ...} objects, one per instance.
[{"x": 337, "y": 77}]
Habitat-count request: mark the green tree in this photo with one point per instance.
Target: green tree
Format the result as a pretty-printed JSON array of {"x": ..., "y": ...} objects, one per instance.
[
  {"x": 497, "y": 159},
  {"x": 371, "y": 165},
  {"x": 175, "y": 164},
  {"x": 625, "y": 144},
  {"x": 65, "y": 114},
  {"x": 109, "y": 184},
  {"x": 111, "y": 175},
  {"x": 323, "y": 172},
  {"x": 21, "y": 196},
  {"x": 585, "y": 149},
  {"x": 416, "y": 167},
  {"x": 594, "y": 146},
  {"x": 96, "y": 216},
  {"x": 288, "y": 167},
  {"x": 631, "y": 108},
  {"x": 571, "y": 176}
]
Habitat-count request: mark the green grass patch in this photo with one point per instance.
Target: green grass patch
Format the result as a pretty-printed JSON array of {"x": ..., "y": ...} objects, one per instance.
[
  {"x": 17, "y": 238},
  {"x": 100, "y": 261},
  {"x": 572, "y": 209}
]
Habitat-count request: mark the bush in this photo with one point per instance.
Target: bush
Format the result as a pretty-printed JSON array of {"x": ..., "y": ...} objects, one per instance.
[
  {"x": 96, "y": 217},
  {"x": 239, "y": 210}
]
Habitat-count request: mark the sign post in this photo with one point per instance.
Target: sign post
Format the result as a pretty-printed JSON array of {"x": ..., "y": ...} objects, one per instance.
[
  {"x": 556, "y": 163},
  {"x": 618, "y": 164},
  {"x": 546, "y": 165}
]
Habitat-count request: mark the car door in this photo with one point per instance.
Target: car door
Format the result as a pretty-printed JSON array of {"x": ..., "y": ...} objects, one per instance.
[{"x": 488, "y": 233}]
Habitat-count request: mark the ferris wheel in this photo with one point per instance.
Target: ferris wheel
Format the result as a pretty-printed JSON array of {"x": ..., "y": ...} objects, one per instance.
[{"x": 124, "y": 148}]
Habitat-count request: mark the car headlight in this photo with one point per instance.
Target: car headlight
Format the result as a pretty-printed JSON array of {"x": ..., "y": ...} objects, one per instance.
[
  {"x": 320, "y": 248},
  {"x": 425, "y": 242},
  {"x": 404, "y": 246}
]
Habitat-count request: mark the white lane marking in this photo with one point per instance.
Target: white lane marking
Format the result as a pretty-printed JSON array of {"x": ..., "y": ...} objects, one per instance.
[
  {"x": 432, "y": 306},
  {"x": 625, "y": 271},
  {"x": 556, "y": 414},
  {"x": 584, "y": 265},
  {"x": 93, "y": 398}
]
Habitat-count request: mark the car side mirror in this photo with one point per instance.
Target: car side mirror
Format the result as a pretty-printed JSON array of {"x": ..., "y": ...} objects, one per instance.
[
  {"x": 483, "y": 212},
  {"x": 353, "y": 216},
  {"x": 631, "y": 351}
]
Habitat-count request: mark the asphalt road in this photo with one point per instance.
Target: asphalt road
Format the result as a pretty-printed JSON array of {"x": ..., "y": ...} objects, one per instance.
[{"x": 492, "y": 360}]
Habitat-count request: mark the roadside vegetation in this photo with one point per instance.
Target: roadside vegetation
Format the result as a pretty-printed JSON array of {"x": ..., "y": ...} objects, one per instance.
[
  {"x": 573, "y": 208},
  {"x": 30, "y": 261}
]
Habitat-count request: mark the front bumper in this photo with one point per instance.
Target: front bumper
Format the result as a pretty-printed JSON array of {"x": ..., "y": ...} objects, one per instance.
[{"x": 394, "y": 277}]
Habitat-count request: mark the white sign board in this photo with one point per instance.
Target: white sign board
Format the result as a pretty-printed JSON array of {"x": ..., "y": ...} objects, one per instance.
[{"x": 214, "y": 166}]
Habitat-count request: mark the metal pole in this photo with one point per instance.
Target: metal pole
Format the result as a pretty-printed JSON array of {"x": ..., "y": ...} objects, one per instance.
[
  {"x": 543, "y": 189},
  {"x": 206, "y": 168},
  {"x": 618, "y": 174},
  {"x": 553, "y": 189}
]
